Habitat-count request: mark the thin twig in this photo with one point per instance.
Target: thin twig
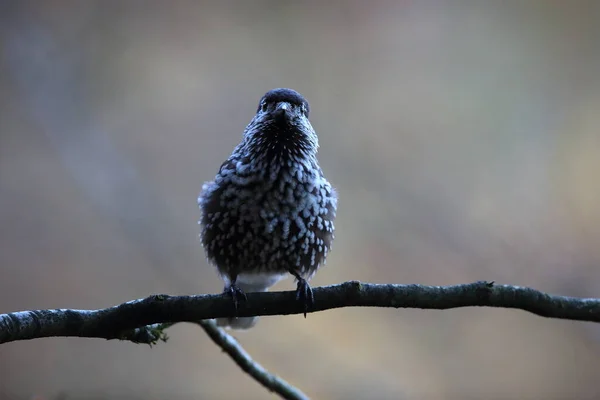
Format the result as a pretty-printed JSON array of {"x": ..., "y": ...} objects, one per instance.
[
  {"x": 247, "y": 364},
  {"x": 136, "y": 320}
]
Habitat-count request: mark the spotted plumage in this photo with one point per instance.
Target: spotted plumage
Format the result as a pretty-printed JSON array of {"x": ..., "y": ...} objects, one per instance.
[{"x": 269, "y": 211}]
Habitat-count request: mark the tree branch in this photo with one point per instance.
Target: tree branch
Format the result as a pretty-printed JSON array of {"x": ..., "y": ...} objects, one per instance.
[
  {"x": 248, "y": 365},
  {"x": 142, "y": 321}
]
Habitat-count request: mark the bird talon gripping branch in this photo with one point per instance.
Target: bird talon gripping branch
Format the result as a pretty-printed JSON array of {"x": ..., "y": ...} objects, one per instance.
[
  {"x": 269, "y": 211},
  {"x": 305, "y": 295},
  {"x": 237, "y": 295}
]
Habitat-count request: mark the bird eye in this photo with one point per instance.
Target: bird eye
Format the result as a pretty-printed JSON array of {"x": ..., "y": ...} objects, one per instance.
[{"x": 263, "y": 107}]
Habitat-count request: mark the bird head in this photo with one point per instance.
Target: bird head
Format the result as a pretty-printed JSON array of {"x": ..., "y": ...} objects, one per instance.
[
  {"x": 280, "y": 130},
  {"x": 283, "y": 105}
]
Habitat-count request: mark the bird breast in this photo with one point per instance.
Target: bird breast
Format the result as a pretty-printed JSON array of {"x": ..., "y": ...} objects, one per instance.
[{"x": 254, "y": 221}]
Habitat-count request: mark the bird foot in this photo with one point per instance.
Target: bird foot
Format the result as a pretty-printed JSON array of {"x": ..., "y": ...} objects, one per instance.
[
  {"x": 236, "y": 294},
  {"x": 304, "y": 294}
]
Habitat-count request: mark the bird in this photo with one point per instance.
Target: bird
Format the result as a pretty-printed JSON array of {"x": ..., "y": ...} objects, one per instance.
[{"x": 269, "y": 212}]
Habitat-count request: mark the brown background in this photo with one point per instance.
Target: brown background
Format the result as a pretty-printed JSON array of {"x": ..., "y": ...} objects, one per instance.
[{"x": 463, "y": 138}]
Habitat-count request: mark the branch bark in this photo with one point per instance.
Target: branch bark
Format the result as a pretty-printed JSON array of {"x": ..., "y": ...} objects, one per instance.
[
  {"x": 230, "y": 346},
  {"x": 142, "y": 321}
]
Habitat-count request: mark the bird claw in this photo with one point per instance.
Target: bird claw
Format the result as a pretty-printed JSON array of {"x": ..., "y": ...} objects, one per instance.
[
  {"x": 304, "y": 293},
  {"x": 236, "y": 294}
]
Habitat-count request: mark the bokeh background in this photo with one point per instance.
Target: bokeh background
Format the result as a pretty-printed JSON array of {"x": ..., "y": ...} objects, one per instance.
[{"x": 463, "y": 138}]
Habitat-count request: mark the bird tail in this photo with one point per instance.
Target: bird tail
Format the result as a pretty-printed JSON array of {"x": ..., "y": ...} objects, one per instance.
[{"x": 248, "y": 284}]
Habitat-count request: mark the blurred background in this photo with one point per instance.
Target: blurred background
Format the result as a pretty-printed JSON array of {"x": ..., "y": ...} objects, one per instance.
[{"x": 463, "y": 138}]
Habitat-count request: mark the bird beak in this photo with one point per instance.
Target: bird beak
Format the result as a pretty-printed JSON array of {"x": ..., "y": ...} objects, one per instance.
[{"x": 282, "y": 109}]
